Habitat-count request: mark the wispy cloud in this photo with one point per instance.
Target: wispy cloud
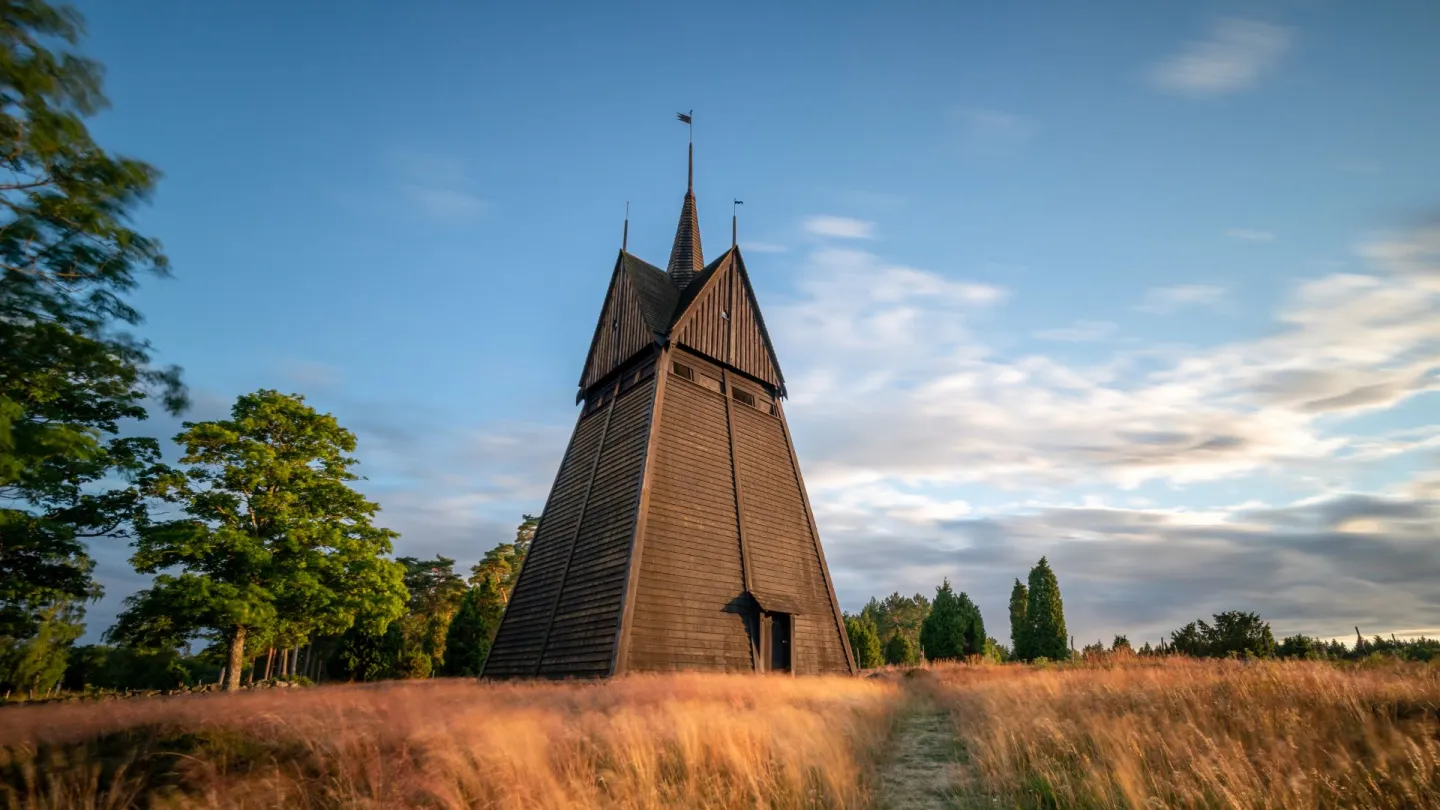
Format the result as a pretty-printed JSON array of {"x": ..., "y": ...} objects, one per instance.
[
  {"x": 916, "y": 426},
  {"x": 1079, "y": 332},
  {"x": 1234, "y": 57},
  {"x": 842, "y": 227},
  {"x": 309, "y": 375},
  {"x": 444, "y": 203},
  {"x": 1250, "y": 235},
  {"x": 765, "y": 247},
  {"x": 991, "y": 132},
  {"x": 1162, "y": 300}
]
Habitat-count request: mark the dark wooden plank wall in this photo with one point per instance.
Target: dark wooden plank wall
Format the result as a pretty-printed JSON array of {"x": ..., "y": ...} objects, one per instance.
[
  {"x": 521, "y": 637},
  {"x": 736, "y": 340},
  {"x": 784, "y": 551},
  {"x": 690, "y": 577},
  {"x": 621, "y": 332},
  {"x": 581, "y": 642}
]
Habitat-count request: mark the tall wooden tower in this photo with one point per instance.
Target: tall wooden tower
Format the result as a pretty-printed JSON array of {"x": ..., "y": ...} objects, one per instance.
[{"x": 677, "y": 534}]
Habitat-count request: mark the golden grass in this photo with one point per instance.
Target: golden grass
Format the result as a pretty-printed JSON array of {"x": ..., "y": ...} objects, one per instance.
[
  {"x": 637, "y": 742},
  {"x": 1183, "y": 733}
]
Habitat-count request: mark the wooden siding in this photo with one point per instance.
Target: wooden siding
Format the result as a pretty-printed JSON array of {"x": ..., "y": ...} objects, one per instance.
[
  {"x": 620, "y": 332},
  {"x": 521, "y": 637},
  {"x": 723, "y": 322},
  {"x": 783, "y": 550},
  {"x": 690, "y": 596},
  {"x": 581, "y": 641}
]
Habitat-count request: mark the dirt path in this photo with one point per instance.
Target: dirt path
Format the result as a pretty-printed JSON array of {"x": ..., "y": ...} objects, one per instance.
[{"x": 923, "y": 769}]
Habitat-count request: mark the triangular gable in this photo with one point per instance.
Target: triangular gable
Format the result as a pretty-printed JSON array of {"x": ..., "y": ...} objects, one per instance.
[
  {"x": 622, "y": 329},
  {"x": 721, "y": 319}
]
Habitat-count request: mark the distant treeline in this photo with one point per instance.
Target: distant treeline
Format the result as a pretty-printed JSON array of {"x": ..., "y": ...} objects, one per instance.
[{"x": 905, "y": 630}]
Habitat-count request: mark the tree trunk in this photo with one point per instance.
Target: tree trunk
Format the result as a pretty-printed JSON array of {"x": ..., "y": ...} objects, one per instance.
[
  {"x": 269, "y": 662},
  {"x": 294, "y": 661},
  {"x": 236, "y": 660}
]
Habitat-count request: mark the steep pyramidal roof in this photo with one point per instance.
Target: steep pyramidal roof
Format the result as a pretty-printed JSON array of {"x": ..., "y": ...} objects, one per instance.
[{"x": 687, "y": 260}]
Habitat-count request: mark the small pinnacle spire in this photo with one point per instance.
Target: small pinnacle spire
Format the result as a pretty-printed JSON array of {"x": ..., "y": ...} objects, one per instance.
[
  {"x": 625, "y": 235},
  {"x": 734, "y": 221},
  {"x": 686, "y": 257}
]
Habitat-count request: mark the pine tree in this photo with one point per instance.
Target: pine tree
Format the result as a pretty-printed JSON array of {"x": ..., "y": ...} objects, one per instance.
[
  {"x": 468, "y": 640},
  {"x": 1019, "y": 645},
  {"x": 864, "y": 641},
  {"x": 1045, "y": 616},
  {"x": 954, "y": 628},
  {"x": 901, "y": 651}
]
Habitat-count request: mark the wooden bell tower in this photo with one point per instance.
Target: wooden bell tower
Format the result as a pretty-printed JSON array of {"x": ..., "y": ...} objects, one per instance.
[{"x": 677, "y": 534}]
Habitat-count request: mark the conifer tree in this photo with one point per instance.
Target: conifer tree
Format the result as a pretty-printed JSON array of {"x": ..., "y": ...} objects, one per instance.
[
  {"x": 1045, "y": 616},
  {"x": 473, "y": 628},
  {"x": 954, "y": 628},
  {"x": 901, "y": 651},
  {"x": 1019, "y": 645},
  {"x": 864, "y": 641}
]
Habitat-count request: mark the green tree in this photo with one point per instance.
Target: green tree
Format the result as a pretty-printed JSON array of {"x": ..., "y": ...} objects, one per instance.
[
  {"x": 898, "y": 613},
  {"x": 1045, "y": 616},
  {"x": 504, "y": 561},
  {"x": 273, "y": 536},
  {"x": 435, "y": 593},
  {"x": 864, "y": 641},
  {"x": 69, "y": 373},
  {"x": 954, "y": 628},
  {"x": 901, "y": 651},
  {"x": 365, "y": 653},
  {"x": 1121, "y": 643},
  {"x": 37, "y": 663},
  {"x": 1019, "y": 625}
]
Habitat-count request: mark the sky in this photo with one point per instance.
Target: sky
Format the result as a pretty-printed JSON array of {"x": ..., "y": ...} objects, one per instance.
[{"x": 1152, "y": 290}]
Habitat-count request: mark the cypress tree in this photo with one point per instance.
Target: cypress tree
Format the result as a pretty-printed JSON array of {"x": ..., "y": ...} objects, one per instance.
[
  {"x": 1019, "y": 645},
  {"x": 1045, "y": 616}
]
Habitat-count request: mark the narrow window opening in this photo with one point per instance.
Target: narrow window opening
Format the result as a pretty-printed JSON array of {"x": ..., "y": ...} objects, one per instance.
[
  {"x": 744, "y": 396},
  {"x": 683, "y": 371}
]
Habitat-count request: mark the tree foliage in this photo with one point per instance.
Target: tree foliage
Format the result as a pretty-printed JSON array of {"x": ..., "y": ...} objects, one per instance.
[
  {"x": 272, "y": 537},
  {"x": 1045, "y": 634},
  {"x": 1019, "y": 624},
  {"x": 68, "y": 372},
  {"x": 864, "y": 641},
  {"x": 896, "y": 613},
  {"x": 1235, "y": 633},
  {"x": 435, "y": 593},
  {"x": 901, "y": 651},
  {"x": 954, "y": 628}
]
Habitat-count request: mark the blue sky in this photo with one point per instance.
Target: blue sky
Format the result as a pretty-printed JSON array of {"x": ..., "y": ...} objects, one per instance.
[{"x": 1154, "y": 290}]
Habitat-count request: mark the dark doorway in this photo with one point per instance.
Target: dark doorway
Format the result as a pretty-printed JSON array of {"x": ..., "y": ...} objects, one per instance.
[{"x": 778, "y": 634}]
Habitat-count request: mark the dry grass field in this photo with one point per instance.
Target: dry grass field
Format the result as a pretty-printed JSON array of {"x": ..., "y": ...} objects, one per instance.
[
  {"x": 641, "y": 742},
  {"x": 1195, "y": 734},
  {"x": 1139, "y": 734}
]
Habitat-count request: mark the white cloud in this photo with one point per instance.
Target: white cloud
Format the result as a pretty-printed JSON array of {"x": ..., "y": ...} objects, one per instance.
[
  {"x": 1234, "y": 57},
  {"x": 765, "y": 247},
  {"x": 894, "y": 381},
  {"x": 1250, "y": 235},
  {"x": 842, "y": 227},
  {"x": 1161, "y": 300},
  {"x": 444, "y": 203},
  {"x": 1079, "y": 332},
  {"x": 990, "y": 132}
]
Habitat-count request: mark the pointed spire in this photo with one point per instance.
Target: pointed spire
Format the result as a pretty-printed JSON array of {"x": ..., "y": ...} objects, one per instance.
[
  {"x": 686, "y": 257},
  {"x": 625, "y": 235}
]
